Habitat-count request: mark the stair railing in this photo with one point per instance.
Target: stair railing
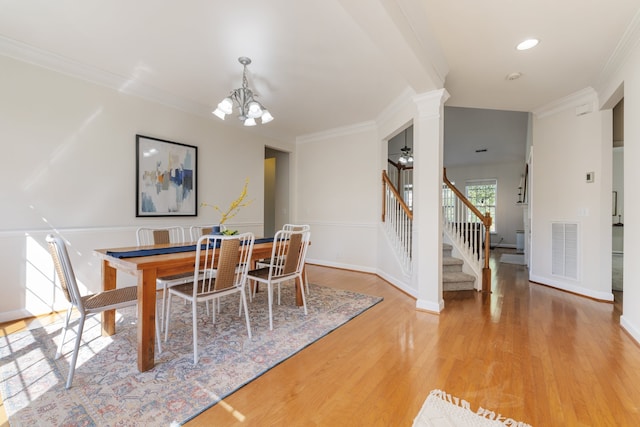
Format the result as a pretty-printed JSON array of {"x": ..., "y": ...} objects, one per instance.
[
  {"x": 465, "y": 223},
  {"x": 398, "y": 221}
]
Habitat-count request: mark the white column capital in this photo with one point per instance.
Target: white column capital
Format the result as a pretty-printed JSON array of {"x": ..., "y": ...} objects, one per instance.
[{"x": 430, "y": 103}]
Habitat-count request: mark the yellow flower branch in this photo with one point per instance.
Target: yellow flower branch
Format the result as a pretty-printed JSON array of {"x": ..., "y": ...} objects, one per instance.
[{"x": 235, "y": 206}]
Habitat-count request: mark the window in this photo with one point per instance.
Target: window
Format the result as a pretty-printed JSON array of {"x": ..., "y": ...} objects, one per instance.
[
  {"x": 448, "y": 203},
  {"x": 408, "y": 196},
  {"x": 482, "y": 194}
]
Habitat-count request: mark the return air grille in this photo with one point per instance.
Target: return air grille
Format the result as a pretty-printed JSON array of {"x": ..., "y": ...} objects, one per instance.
[{"x": 564, "y": 250}]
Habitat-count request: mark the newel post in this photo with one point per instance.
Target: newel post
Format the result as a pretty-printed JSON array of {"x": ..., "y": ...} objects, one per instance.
[{"x": 486, "y": 271}]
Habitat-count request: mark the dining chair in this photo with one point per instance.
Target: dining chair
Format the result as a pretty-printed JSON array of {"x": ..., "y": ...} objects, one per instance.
[
  {"x": 164, "y": 235},
  {"x": 290, "y": 227},
  {"x": 197, "y": 231},
  {"x": 287, "y": 264},
  {"x": 87, "y": 304},
  {"x": 230, "y": 257}
]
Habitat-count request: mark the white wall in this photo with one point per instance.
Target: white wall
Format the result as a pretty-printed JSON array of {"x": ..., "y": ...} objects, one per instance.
[
  {"x": 565, "y": 147},
  {"x": 337, "y": 194},
  {"x": 69, "y": 167},
  {"x": 626, "y": 81},
  {"x": 509, "y": 214}
]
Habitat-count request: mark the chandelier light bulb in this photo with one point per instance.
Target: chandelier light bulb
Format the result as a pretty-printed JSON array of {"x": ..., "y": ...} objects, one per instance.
[
  {"x": 219, "y": 113},
  {"x": 254, "y": 110},
  {"x": 266, "y": 116},
  {"x": 250, "y": 121},
  {"x": 226, "y": 106}
]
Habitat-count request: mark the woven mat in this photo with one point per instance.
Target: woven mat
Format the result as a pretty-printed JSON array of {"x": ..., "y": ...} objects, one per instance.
[
  {"x": 107, "y": 387},
  {"x": 443, "y": 410},
  {"x": 512, "y": 259}
]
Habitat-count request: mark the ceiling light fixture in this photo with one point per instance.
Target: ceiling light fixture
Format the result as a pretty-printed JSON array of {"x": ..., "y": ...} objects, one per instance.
[
  {"x": 407, "y": 155},
  {"x": 527, "y": 44},
  {"x": 249, "y": 109}
]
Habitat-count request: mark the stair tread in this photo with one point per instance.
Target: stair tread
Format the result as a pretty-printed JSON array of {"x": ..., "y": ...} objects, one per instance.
[
  {"x": 451, "y": 261},
  {"x": 457, "y": 276}
]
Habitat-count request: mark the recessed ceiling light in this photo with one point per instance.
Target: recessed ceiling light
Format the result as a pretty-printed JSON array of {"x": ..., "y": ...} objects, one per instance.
[
  {"x": 514, "y": 76},
  {"x": 527, "y": 44}
]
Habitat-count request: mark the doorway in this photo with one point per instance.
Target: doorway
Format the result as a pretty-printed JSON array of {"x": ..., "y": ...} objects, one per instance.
[
  {"x": 276, "y": 190},
  {"x": 617, "y": 237}
]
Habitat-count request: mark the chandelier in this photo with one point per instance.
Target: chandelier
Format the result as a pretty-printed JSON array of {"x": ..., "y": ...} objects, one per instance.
[
  {"x": 248, "y": 108},
  {"x": 407, "y": 155}
]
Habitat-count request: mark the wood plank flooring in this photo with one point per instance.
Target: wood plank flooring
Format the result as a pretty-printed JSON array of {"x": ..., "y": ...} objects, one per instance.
[{"x": 526, "y": 351}]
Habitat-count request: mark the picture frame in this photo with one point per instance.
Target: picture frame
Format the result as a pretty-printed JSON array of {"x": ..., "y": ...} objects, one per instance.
[{"x": 166, "y": 178}]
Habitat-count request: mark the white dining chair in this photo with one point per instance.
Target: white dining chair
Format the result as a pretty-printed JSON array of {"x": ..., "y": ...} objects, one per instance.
[
  {"x": 164, "y": 235},
  {"x": 230, "y": 257},
  {"x": 287, "y": 265},
  {"x": 290, "y": 227},
  {"x": 197, "y": 231},
  {"x": 85, "y": 304}
]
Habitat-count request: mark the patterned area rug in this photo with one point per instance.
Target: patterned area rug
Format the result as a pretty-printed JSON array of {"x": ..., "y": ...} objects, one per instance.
[
  {"x": 108, "y": 389},
  {"x": 443, "y": 410}
]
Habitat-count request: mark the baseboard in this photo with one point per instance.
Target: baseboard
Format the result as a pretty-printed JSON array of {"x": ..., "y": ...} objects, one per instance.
[{"x": 631, "y": 330}]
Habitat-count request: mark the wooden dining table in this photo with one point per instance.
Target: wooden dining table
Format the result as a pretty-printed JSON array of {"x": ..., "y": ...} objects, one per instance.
[{"x": 147, "y": 269}]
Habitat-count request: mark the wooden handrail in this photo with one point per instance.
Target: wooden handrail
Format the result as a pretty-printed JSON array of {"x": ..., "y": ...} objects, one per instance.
[
  {"x": 405, "y": 208},
  {"x": 486, "y": 221}
]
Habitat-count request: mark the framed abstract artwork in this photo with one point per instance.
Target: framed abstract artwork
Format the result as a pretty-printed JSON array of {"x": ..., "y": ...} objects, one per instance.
[{"x": 166, "y": 178}]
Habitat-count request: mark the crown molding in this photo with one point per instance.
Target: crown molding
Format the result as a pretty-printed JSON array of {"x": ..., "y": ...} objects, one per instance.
[
  {"x": 576, "y": 99},
  {"x": 630, "y": 39},
  {"x": 126, "y": 85},
  {"x": 337, "y": 132}
]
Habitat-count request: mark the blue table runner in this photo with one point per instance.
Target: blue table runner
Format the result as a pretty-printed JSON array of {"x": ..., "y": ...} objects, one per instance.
[{"x": 168, "y": 250}]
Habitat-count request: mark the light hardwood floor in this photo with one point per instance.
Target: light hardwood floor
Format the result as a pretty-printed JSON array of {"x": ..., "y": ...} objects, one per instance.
[{"x": 529, "y": 352}]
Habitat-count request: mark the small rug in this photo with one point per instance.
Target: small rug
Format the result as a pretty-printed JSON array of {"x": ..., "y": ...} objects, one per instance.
[
  {"x": 443, "y": 410},
  {"x": 107, "y": 388},
  {"x": 512, "y": 259}
]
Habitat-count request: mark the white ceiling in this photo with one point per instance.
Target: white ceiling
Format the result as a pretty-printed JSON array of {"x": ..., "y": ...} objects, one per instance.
[{"x": 320, "y": 65}]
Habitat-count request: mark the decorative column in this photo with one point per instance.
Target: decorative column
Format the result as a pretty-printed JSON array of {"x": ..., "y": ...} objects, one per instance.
[{"x": 428, "y": 150}]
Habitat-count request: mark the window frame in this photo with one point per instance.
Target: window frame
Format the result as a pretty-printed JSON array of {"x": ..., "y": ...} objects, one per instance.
[{"x": 492, "y": 208}]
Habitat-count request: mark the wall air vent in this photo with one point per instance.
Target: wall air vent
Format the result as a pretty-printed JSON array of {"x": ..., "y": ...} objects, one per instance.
[{"x": 564, "y": 250}]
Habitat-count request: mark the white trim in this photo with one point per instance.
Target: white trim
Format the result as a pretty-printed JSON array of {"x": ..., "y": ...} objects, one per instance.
[
  {"x": 10, "y": 316},
  {"x": 403, "y": 286},
  {"x": 127, "y": 85},
  {"x": 337, "y": 132},
  {"x": 632, "y": 330},
  {"x": 603, "y": 296},
  {"x": 430, "y": 306},
  {"x": 430, "y": 103},
  {"x": 342, "y": 266},
  {"x": 339, "y": 224},
  {"x": 576, "y": 99},
  {"x": 396, "y": 106},
  {"x": 110, "y": 229},
  {"x": 620, "y": 55}
]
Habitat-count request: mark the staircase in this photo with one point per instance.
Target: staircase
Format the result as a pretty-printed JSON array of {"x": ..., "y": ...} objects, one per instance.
[{"x": 453, "y": 278}]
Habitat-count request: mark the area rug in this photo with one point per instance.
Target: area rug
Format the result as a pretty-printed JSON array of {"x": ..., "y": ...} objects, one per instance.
[
  {"x": 512, "y": 259},
  {"x": 107, "y": 388},
  {"x": 443, "y": 410}
]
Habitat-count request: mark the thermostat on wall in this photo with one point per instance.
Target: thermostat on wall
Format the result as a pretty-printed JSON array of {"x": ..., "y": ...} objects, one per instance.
[{"x": 590, "y": 176}]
